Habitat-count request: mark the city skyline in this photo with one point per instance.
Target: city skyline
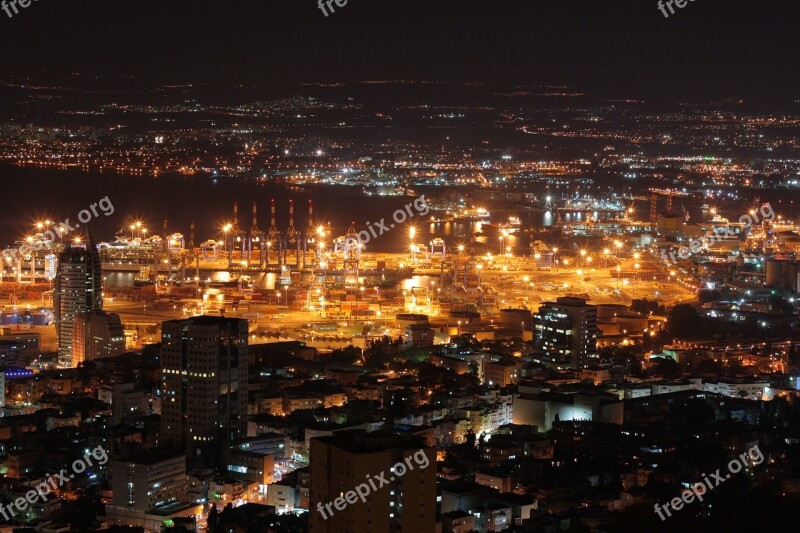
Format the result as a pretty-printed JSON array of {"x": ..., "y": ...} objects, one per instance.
[{"x": 370, "y": 267}]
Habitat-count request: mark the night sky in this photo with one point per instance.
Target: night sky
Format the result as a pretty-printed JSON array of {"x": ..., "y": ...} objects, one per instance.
[{"x": 620, "y": 48}]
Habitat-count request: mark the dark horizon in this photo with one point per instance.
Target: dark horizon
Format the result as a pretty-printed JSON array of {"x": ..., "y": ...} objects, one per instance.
[{"x": 707, "y": 50}]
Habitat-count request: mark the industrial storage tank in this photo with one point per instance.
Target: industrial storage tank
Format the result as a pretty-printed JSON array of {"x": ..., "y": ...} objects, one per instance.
[
  {"x": 790, "y": 270},
  {"x": 611, "y": 311},
  {"x": 774, "y": 271},
  {"x": 514, "y": 318}
]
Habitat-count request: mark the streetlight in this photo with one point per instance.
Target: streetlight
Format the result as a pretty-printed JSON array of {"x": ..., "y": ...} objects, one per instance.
[
  {"x": 138, "y": 227},
  {"x": 503, "y": 236},
  {"x": 555, "y": 251}
]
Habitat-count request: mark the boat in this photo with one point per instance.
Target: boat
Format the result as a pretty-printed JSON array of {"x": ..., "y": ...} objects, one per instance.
[
  {"x": 469, "y": 215},
  {"x": 513, "y": 225}
]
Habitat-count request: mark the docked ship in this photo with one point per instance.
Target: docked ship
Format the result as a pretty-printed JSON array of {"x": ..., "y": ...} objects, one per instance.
[
  {"x": 129, "y": 254},
  {"x": 459, "y": 215},
  {"x": 242, "y": 282},
  {"x": 513, "y": 225}
]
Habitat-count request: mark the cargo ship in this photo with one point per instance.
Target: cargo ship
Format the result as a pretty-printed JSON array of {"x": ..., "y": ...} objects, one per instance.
[{"x": 513, "y": 225}]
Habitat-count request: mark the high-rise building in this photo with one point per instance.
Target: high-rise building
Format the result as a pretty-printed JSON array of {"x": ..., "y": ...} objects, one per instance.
[
  {"x": 204, "y": 383},
  {"x": 567, "y": 332},
  {"x": 26, "y": 341},
  {"x": 96, "y": 334},
  {"x": 148, "y": 480},
  {"x": 401, "y": 500},
  {"x": 12, "y": 354},
  {"x": 78, "y": 289}
]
